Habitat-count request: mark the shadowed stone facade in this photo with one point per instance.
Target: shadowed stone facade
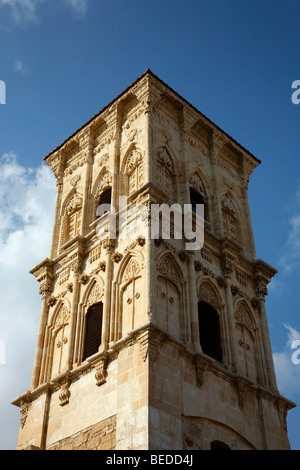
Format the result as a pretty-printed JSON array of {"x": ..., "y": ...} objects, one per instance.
[{"x": 184, "y": 359}]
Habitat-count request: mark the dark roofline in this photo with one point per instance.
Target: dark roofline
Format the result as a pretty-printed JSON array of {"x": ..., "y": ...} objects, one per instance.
[{"x": 173, "y": 91}]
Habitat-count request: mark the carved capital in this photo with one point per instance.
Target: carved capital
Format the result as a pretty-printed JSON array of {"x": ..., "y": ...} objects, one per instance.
[
  {"x": 109, "y": 245},
  {"x": 227, "y": 265}
]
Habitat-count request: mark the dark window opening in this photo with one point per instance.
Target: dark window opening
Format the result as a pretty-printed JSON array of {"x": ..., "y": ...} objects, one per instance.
[
  {"x": 104, "y": 203},
  {"x": 209, "y": 329},
  {"x": 197, "y": 198},
  {"x": 93, "y": 330},
  {"x": 218, "y": 445}
]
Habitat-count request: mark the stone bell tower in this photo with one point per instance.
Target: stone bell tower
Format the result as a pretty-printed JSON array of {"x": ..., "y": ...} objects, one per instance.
[{"x": 143, "y": 344}]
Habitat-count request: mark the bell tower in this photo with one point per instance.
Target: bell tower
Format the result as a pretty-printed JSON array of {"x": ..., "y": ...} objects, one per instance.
[{"x": 143, "y": 343}]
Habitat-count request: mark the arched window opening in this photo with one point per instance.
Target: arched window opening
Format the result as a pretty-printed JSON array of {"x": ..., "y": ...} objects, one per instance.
[
  {"x": 93, "y": 331},
  {"x": 198, "y": 198},
  {"x": 209, "y": 329},
  {"x": 218, "y": 445},
  {"x": 104, "y": 203}
]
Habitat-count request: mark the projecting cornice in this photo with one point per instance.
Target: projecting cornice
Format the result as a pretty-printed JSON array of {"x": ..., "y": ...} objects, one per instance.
[{"x": 191, "y": 113}]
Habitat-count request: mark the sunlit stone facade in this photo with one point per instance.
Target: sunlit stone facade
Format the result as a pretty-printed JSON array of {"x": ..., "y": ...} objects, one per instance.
[{"x": 183, "y": 359}]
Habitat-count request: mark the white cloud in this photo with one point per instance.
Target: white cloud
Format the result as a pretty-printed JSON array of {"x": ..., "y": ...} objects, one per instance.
[
  {"x": 291, "y": 251},
  {"x": 288, "y": 373},
  {"x": 24, "y": 11},
  {"x": 19, "y": 66},
  {"x": 79, "y": 7},
  {"x": 27, "y": 207}
]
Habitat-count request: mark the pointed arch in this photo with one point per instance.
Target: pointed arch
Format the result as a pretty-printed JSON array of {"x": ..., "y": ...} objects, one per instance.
[
  {"x": 166, "y": 171},
  {"x": 168, "y": 267},
  {"x": 230, "y": 216},
  {"x": 247, "y": 344},
  {"x": 171, "y": 297},
  {"x": 207, "y": 293},
  {"x": 198, "y": 192},
  {"x": 58, "y": 338},
  {"x": 209, "y": 318},
  {"x": 71, "y": 215},
  {"x": 129, "y": 293},
  {"x": 133, "y": 169},
  {"x": 102, "y": 190}
]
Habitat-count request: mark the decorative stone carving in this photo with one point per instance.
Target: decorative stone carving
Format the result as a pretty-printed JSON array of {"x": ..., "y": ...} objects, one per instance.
[
  {"x": 83, "y": 279},
  {"x": 64, "y": 395},
  {"x": 51, "y": 301},
  {"x": 227, "y": 265},
  {"x": 228, "y": 204},
  {"x": 95, "y": 295},
  {"x": 101, "y": 371},
  {"x": 74, "y": 204},
  {"x": 116, "y": 257},
  {"x": 108, "y": 244},
  {"x": 198, "y": 266},
  {"x": 183, "y": 255},
  {"x": 242, "y": 316},
  {"x": 134, "y": 159},
  {"x": 149, "y": 344},
  {"x": 75, "y": 180},
  {"x": 62, "y": 317},
  {"x": 168, "y": 269},
  {"x": 197, "y": 183},
  {"x": 25, "y": 408},
  {"x": 201, "y": 367},
  {"x": 207, "y": 294},
  {"x": 132, "y": 270},
  {"x": 164, "y": 157}
]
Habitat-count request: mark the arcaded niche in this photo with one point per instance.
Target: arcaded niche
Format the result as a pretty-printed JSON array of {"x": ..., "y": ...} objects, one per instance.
[{"x": 145, "y": 343}]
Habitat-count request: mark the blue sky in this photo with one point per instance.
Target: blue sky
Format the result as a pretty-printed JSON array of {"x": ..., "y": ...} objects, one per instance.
[{"x": 63, "y": 61}]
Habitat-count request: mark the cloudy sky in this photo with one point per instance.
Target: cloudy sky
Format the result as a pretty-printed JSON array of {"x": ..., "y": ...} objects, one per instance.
[{"x": 63, "y": 61}]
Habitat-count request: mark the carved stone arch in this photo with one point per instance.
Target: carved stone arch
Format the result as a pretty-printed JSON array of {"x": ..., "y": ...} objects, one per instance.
[
  {"x": 171, "y": 299},
  {"x": 207, "y": 293},
  {"x": 247, "y": 344},
  {"x": 133, "y": 262},
  {"x": 71, "y": 208},
  {"x": 58, "y": 340},
  {"x": 93, "y": 293},
  {"x": 62, "y": 311},
  {"x": 198, "y": 182},
  {"x": 167, "y": 266},
  {"x": 199, "y": 186},
  {"x": 230, "y": 216},
  {"x": 166, "y": 171},
  {"x": 129, "y": 295},
  {"x": 243, "y": 315},
  {"x": 133, "y": 169},
  {"x": 102, "y": 184}
]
